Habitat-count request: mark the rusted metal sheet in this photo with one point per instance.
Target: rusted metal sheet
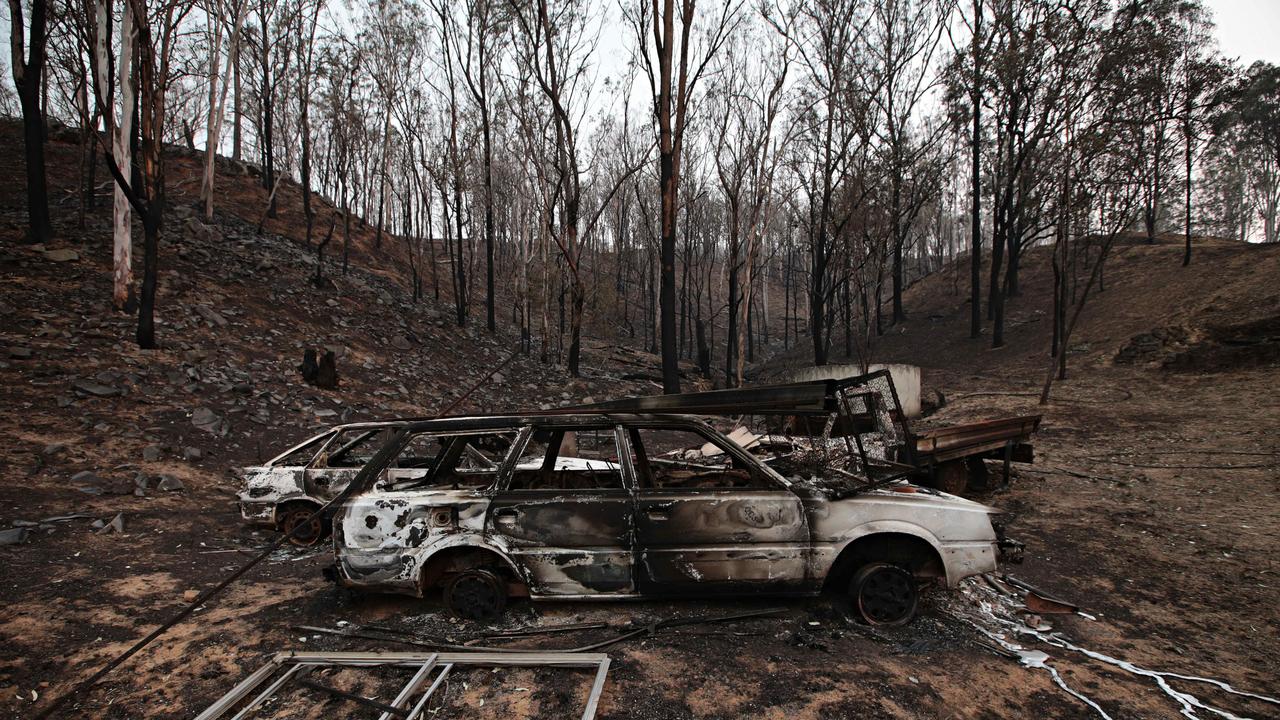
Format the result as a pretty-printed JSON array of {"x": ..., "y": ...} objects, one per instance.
[{"x": 959, "y": 441}]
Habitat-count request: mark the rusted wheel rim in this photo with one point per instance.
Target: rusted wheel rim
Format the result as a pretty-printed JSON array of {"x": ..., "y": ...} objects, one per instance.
[
  {"x": 478, "y": 595},
  {"x": 308, "y": 532},
  {"x": 885, "y": 594}
]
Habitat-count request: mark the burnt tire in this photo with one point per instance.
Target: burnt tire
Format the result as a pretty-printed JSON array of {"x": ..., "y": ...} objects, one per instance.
[
  {"x": 884, "y": 594},
  {"x": 476, "y": 594},
  {"x": 303, "y": 530}
]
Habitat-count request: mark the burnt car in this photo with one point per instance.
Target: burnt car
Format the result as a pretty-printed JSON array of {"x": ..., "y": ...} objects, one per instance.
[
  {"x": 600, "y": 505},
  {"x": 284, "y": 492}
]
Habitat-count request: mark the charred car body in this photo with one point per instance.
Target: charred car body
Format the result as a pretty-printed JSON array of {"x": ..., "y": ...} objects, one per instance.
[
  {"x": 285, "y": 491},
  {"x": 629, "y": 499},
  {"x": 619, "y": 505}
]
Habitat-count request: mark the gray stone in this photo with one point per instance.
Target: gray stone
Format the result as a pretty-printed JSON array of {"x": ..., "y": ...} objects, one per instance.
[
  {"x": 116, "y": 524},
  {"x": 85, "y": 476},
  {"x": 208, "y": 421},
  {"x": 14, "y": 536},
  {"x": 211, "y": 315},
  {"x": 20, "y": 353},
  {"x": 169, "y": 483},
  {"x": 200, "y": 231},
  {"x": 192, "y": 454},
  {"x": 97, "y": 390},
  {"x": 61, "y": 255},
  {"x": 152, "y": 453},
  {"x": 400, "y": 342}
]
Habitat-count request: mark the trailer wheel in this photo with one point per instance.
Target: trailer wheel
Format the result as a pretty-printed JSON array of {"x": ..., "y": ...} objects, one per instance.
[
  {"x": 884, "y": 594},
  {"x": 476, "y": 594}
]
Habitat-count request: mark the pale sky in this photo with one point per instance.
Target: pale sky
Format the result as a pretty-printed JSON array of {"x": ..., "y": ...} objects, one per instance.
[{"x": 1248, "y": 29}]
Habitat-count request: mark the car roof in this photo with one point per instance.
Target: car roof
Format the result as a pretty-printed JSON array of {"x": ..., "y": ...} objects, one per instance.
[{"x": 545, "y": 418}]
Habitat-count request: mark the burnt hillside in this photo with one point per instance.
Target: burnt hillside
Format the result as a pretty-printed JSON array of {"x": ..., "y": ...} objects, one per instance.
[
  {"x": 1152, "y": 314},
  {"x": 1153, "y": 497}
]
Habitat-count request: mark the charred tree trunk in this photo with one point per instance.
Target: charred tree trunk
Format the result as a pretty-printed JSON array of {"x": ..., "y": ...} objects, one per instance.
[
  {"x": 27, "y": 78},
  {"x": 975, "y": 217},
  {"x": 817, "y": 304}
]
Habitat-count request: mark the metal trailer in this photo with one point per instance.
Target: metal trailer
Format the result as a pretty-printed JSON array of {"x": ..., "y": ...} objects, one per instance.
[
  {"x": 952, "y": 457},
  {"x": 947, "y": 458}
]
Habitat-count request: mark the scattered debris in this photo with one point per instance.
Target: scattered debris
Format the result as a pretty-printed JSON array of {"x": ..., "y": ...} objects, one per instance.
[
  {"x": 995, "y": 612},
  {"x": 430, "y": 672},
  {"x": 627, "y": 631}
]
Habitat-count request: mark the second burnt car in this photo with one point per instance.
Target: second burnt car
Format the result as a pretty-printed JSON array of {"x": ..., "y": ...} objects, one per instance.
[
  {"x": 284, "y": 492},
  {"x": 597, "y": 505}
]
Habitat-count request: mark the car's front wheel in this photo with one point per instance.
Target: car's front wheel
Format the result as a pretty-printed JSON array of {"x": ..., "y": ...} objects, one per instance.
[
  {"x": 884, "y": 594},
  {"x": 477, "y": 594}
]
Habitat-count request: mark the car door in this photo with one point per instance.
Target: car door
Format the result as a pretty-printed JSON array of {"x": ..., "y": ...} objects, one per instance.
[
  {"x": 340, "y": 460},
  {"x": 566, "y": 513},
  {"x": 710, "y": 520}
]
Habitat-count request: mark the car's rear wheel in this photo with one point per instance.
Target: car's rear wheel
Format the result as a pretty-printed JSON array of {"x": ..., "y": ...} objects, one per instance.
[
  {"x": 477, "y": 594},
  {"x": 884, "y": 594},
  {"x": 303, "y": 529}
]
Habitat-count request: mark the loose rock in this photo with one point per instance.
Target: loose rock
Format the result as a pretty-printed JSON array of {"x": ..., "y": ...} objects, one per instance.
[
  {"x": 208, "y": 421},
  {"x": 61, "y": 255},
  {"x": 14, "y": 536},
  {"x": 88, "y": 387}
]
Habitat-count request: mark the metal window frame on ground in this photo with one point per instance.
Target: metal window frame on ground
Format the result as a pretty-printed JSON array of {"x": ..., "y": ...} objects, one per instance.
[{"x": 293, "y": 663}]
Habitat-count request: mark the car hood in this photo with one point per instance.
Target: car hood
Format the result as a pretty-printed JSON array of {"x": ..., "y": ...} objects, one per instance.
[
  {"x": 266, "y": 482},
  {"x": 900, "y": 506}
]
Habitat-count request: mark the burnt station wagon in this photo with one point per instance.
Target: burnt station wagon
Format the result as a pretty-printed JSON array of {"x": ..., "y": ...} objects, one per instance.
[{"x": 619, "y": 505}]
